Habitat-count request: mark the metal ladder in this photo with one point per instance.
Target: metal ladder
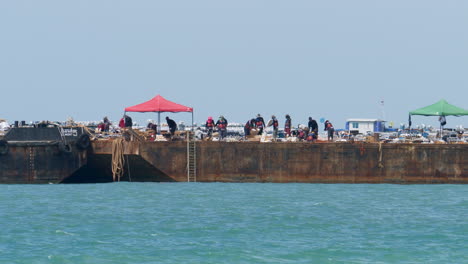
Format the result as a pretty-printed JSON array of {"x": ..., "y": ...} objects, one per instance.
[
  {"x": 191, "y": 158},
  {"x": 31, "y": 168}
]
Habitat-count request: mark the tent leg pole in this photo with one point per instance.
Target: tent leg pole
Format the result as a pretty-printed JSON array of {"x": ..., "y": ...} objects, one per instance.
[{"x": 159, "y": 123}]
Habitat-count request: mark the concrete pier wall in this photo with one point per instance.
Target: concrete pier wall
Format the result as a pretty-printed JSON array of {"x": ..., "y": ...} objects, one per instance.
[{"x": 288, "y": 162}]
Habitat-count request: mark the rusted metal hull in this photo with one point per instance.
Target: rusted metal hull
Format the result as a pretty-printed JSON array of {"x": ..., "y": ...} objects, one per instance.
[
  {"x": 39, "y": 162},
  {"x": 283, "y": 162}
]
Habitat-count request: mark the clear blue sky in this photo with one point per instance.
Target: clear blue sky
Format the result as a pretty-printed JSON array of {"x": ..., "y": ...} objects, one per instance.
[{"x": 333, "y": 59}]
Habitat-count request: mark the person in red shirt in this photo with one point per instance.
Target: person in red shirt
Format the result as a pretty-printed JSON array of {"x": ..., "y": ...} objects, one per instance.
[
  {"x": 210, "y": 124},
  {"x": 330, "y": 130},
  {"x": 260, "y": 123},
  {"x": 222, "y": 124}
]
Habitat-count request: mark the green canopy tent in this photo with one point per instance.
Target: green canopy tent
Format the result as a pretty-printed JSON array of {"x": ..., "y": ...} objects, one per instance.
[{"x": 442, "y": 109}]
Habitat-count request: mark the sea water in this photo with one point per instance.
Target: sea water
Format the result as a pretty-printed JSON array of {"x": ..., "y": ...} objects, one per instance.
[{"x": 233, "y": 223}]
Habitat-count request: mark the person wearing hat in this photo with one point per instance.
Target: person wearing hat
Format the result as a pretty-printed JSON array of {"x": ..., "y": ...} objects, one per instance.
[
  {"x": 222, "y": 124},
  {"x": 209, "y": 125},
  {"x": 274, "y": 123},
  {"x": 260, "y": 123}
]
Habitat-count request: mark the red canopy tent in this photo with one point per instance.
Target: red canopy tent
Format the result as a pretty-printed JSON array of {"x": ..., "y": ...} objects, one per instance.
[{"x": 159, "y": 104}]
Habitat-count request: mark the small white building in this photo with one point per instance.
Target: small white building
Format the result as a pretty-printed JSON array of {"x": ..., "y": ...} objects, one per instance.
[{"x": 365, "y": 126}]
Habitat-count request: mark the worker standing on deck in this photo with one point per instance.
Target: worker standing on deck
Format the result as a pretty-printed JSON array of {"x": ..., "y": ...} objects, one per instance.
[
  {"x": 249, "y": 126},
  {"x": 330, "y": 130},
  {"x": 122, "y": 122},
  {"x": 106, "y": 123},
  {"x": 287, "y": 126},
  {"x": 172, "y": 126},
  {"x": 128, "y": 121},
  {"x": 274, "y": 124},
  {"x": 313, "y": 126},
  {"x": 210, "y": 124},
  {"x": 260, "y": 124},
  {"x": 325, "y": 125},
  {"x": 222, "y": 124}
]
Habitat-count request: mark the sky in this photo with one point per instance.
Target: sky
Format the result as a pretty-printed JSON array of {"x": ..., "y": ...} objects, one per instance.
[{"x": 325, "y": 59}]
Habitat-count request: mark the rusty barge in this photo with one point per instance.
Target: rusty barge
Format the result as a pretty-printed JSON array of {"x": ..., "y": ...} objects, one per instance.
[
  {"x": 279, "y": 162},
  {"x": 42, "y": 154},
  {"x": 204, "y": 161}
]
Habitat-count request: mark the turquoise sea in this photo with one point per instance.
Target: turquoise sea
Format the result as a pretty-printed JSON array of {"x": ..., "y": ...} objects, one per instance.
[{"x": 233, "y": 223}]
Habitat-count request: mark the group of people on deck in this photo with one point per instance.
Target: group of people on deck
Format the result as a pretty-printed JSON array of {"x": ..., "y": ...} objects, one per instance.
[
  {"x": 221, "y": 125},
  {"x": 258, "y": 124},
  {"x": 126, "y": 122}
]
